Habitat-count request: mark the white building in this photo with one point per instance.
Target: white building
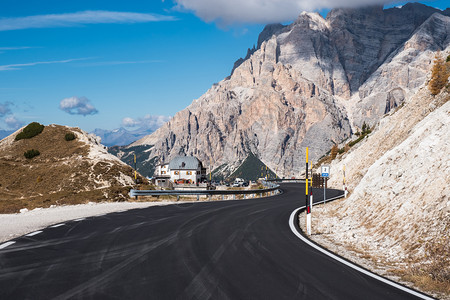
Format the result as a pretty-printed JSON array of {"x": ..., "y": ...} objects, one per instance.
[
  {"x": 180, "y": 170},
  {"x": 162, "y": 175}
]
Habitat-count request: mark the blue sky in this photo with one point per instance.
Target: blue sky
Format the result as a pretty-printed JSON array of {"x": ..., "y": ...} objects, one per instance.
[{"x": 105, "y": 64}]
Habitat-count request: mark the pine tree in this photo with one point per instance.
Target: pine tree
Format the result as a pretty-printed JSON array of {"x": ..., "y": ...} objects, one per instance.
[{"x": 439, "y": 75}]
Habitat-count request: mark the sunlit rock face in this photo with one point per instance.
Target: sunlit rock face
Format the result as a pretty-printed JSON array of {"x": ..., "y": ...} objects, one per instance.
[{"x": 311, "y": 83}]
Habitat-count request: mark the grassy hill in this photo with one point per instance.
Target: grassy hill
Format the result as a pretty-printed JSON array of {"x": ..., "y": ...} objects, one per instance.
[{"x": 60, "y": 171}]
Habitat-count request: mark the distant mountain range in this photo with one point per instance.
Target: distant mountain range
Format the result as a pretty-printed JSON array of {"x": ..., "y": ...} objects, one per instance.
[
  {"x": 120, "y": 136},
  {"x": 312, "y": 83}
]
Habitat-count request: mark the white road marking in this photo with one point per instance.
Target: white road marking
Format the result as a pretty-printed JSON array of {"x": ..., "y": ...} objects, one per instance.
[
  {"x": 80, "y": 219},
  {"x": 57, "y": 225},
  {"x": 34, "y": 233},
  {"x": 357, "y": 268},
  {"x": 4, "y": 245}
]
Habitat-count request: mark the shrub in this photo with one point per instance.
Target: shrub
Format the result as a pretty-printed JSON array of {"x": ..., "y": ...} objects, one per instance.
[
  {"x": 31, "y": 153},
  {"x": 30, "y": 131},
  {"x": 334, "y": 151},
  {"x": 439, "y": 75},
  {"x": 69, "y": 136},
  {"x": 353, "y": 143}
]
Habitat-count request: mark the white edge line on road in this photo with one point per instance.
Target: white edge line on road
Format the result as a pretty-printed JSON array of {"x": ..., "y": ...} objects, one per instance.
[
  {"x": 57, "y": 225},
  {"x": 34, "y": 233},
  {"x": 359, "y": 269},
  {"x": 80, "y": 219},
  {"x": 4, "y": 245}
]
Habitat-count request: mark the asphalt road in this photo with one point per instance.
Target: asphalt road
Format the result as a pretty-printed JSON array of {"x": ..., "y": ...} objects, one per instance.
[{"x": 241, "y": 249}]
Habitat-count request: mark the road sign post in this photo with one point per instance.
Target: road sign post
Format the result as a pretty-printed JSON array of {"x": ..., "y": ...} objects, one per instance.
[
  {"x": 307, "y": 199},
  {"x": 135, "y": 171},
  {"x": 325, "y": 173}
]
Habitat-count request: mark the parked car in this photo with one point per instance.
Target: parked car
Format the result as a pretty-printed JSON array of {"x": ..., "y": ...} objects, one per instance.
[{"x": 238, "y": 182}]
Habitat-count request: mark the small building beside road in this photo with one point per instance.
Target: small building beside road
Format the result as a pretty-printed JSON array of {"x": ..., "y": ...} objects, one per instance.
[{"x": 180, "y": 170}]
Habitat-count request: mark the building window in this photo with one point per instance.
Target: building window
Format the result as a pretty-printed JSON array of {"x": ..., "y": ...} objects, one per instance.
[
  {"x": 163, "y": 172},
  {"x": 176, "y": 172},
  {"x": 189, "y": 173}
]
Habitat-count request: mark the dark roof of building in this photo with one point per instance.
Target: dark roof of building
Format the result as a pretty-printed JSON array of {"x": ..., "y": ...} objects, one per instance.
[{"x": 185, "y": 163}]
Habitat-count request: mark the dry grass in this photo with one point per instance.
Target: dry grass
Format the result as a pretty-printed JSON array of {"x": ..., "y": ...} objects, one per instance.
[{"x": 62, "y": 174}]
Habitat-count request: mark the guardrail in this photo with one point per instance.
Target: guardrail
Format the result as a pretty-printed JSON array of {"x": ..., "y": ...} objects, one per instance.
[
  {"x": 302, "y": 180},
  {"x": 270, "y": 188}
]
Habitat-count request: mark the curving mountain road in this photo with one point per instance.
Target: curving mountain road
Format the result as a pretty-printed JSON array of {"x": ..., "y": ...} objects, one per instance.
[{"x": 241, "y": 249}]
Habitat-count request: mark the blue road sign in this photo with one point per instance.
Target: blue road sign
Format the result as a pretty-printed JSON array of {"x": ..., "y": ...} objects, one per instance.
[{"x": 325, "y": 174}]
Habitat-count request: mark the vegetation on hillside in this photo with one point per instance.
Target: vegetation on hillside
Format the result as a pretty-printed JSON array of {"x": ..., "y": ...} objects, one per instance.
[
  {"x": 439, "y": 74},
  {"x": 335, "y": 150},
  {"x": 31, "y": 130},
  {"x": 144, "y": 166},
  {"x": 251, "y": 169},
  {"x": 31, "y": 153},
  {"x": 70, "y": 136}
]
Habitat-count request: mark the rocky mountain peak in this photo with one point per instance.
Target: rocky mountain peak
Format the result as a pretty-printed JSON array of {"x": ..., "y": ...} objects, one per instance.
[
  {"x": 307, "y": 84},
  {"x": 268, "y": 32}
]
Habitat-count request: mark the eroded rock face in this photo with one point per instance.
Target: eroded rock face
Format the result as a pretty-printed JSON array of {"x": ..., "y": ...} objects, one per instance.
[{"x": 307, "y": 84}]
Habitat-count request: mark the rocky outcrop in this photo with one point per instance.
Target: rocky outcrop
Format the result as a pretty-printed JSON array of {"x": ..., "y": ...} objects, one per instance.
[
  {"x": 307, "y": 84},
  {"x": 398, "y": 211}
]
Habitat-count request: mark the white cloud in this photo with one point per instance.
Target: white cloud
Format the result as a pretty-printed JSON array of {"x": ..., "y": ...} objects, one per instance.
[
  {"x": 20, "y": 66},
  {"x": 226, "y": 12},
  {"x": 149, "y": 121},
  {"x": 5, "y": 108},
  {"x": 79, "y": 18},
  {"x": 14, "y": 48},
  {"x": 78, "y": 106},
  {"x": 13, "y": 123}
]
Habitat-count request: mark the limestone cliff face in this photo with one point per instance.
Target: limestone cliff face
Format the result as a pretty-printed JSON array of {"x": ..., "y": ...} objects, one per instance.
[{"x": 307, "y": 84}]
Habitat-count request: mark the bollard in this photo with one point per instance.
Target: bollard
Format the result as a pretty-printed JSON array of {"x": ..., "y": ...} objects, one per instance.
[{"x": 198, "y": 197}]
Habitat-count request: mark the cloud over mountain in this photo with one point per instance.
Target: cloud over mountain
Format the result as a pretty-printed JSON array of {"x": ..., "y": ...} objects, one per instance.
[
  {"x": 261, "y": 11},
  {"x": 149, "y": 121},
  {"x": 4, "y": 108},
  {"x": 13, "y": 123},
  {"x": 78, "y": 106}
]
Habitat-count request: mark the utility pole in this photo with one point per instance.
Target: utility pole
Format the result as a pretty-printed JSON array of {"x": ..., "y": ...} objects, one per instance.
[
  {"x": 325, "y": 174},
  {"x": 310, "y": 189},
  {"x": 307, "y": 204},
  {"x": 343, "y": 183}
]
